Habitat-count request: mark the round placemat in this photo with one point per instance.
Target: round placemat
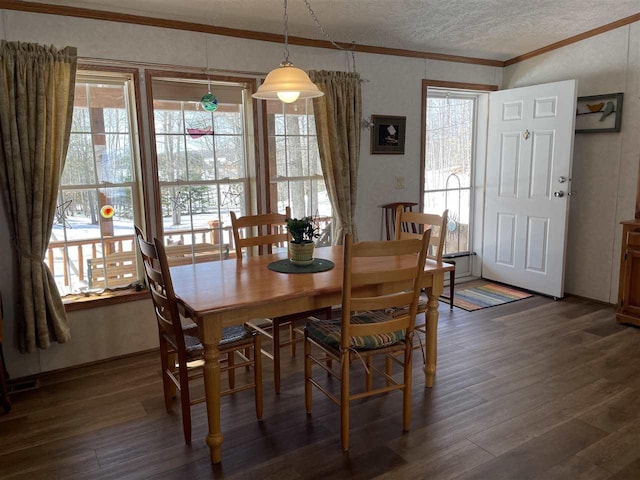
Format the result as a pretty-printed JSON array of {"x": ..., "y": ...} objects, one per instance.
[{"x": 286, "y": 266}]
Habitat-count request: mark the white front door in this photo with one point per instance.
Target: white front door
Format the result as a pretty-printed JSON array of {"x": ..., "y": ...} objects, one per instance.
[{"x": 529, "y": 154}]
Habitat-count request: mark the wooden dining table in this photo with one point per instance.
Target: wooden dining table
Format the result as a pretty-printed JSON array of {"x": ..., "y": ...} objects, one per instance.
[{"x": 224, "y": 293}]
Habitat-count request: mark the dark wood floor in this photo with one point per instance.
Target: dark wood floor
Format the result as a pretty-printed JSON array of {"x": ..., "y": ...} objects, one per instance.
[{"x": 535, "y": 389}]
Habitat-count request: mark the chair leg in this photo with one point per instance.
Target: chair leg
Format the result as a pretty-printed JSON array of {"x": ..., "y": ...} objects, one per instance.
[
  {"x": 307, "y": 374},
  {"x": 406, "y": 392},
  {"x": 247, "y": 354},
  {"x": 344, "y": 401},
  {"x": 368, "y": 375},
  {"x": 452, "y": 278},
  {"x": 172, "y": 361},
  {"x": 167, "y": 385},
  {"x": 292, "y": 337},
  {"x": 257, "y": 375},
  {"x": 185, "y": 400},
  {"x": 231, "y": 360},
  {"x": 276, "y": 355}
]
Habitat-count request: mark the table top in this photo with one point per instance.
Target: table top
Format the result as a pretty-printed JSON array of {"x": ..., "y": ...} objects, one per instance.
[{"x": 213, "y": 287}]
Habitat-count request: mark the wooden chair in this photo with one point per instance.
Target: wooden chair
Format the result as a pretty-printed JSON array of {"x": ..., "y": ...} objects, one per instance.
[
  {"x": 364, "y": 329},
  {"x": 181, "y": 352},
  {"x": 389, "y": 216},
  {"x": 262, "y": 232},
  {"x": 406, "y": 225}
]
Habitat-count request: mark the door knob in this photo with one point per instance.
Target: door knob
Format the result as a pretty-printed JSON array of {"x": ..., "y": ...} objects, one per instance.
[{"x": 558, "y": 194}]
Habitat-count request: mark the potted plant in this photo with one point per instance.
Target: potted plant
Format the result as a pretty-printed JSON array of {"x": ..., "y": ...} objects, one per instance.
[{"x": 302, "y": 231}]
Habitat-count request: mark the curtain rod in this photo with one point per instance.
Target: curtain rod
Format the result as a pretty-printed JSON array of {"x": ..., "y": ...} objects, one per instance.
[
  {"x": 166, "y": 66},
  {"x": 130, "y": 63}
]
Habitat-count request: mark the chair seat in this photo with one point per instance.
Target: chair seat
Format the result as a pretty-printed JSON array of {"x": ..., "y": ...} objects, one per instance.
[
  {"x": 328, "y": 332},
  {"x": 231, "y": 337}
]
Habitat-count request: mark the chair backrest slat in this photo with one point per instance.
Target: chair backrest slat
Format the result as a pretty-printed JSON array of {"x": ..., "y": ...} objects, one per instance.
[
  {"x": 261, "y": 231},
  {"x": 388, "y": 248},
  {"x": 156, "y": 269},
  {"x": 381, "y": 302},
  {"x": 421, "y": 221},
  {"x": 372, "y": 278},
  {"x": 399, "y": 265},
  {"x": 378, "y": 328}
]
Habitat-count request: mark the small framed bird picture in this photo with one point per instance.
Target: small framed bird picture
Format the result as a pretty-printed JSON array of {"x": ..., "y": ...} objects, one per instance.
[
  {"x": 599, "y": 113},
  {"x": 387, "y": 134}
]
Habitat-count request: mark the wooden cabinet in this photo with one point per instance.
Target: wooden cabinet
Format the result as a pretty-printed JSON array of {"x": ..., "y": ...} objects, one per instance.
[{"x": 628, "y": 310}]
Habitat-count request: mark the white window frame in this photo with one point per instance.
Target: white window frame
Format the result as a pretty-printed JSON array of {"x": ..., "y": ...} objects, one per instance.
[
  {"x": 127, "y": 81},
  {"x": 248, "y": 180},
  {"x": 312, "y": 208},
  {"x": 432, "y": 92}
]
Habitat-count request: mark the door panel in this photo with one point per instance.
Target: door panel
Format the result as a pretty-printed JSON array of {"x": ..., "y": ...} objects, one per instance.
[
  {"x": 542, "y": 159},
  {"x": 505, "y": 250},
  {"x": 536, "y": 244},
  {"x": 509, "y": 160},
  {"x": 530, "y": 146}
]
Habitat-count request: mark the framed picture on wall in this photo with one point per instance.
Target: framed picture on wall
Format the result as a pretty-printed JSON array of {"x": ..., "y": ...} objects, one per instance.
[
  {"x": 387, "y": 134},
  {"x": 599, "y": 113}
]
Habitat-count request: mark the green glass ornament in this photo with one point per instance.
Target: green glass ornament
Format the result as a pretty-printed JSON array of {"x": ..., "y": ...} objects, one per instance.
[{"x": 209, "y": 102}]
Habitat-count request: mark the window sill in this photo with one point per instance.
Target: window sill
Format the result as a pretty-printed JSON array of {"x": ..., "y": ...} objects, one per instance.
[{"x": 80, "y": 302}]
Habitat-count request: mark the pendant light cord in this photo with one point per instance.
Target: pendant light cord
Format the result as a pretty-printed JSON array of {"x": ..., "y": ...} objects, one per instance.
[
  {"x": 206, "y": 52},
  {"x": 286, "y": 33},
  {"x": 326, "y": 34}
]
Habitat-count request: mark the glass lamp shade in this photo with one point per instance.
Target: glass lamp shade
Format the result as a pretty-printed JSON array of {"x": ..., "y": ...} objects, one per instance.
[{"x": 287, "y": 83}]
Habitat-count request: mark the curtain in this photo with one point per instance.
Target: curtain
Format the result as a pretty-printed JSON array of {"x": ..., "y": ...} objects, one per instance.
[
  {"x": 338, "y": 116},
  {"x": 36, "y": 106}
]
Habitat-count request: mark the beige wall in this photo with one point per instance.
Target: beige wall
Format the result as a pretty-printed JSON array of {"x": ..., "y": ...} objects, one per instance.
[
  {"x": 605, "y": 165},
  {"x": 393, "y": 88}
]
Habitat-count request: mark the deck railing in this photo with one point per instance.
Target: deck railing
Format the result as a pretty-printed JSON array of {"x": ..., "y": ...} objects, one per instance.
[{"x": 72, "y": 264}]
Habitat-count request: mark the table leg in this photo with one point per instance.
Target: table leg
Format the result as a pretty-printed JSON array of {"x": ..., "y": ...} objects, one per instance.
[
  {"x": 431, "y": 341},
  {"x": 211, "y": 335}
]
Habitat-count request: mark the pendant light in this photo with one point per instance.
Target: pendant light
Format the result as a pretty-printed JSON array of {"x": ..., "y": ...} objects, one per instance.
[{"x": 287, "y": 82}]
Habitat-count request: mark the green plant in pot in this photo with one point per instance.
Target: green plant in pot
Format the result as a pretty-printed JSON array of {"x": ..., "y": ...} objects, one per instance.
[{"x": 302, "y": 231}]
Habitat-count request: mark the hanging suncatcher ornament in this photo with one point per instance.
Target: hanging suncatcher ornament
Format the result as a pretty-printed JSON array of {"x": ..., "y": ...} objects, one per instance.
[{"x": 209, "y": 101}]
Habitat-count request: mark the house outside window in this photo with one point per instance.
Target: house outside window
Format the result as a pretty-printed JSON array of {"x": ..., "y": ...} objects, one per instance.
[
  {"x": 295, "y": 173},
  {"x": 203, "y": 165},
  {"x": 99, "y": 198},
  {"x": 449, "y": 157}
]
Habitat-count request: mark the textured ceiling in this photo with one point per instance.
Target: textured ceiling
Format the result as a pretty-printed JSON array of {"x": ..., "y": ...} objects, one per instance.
[{"x": 493, "y": 29}]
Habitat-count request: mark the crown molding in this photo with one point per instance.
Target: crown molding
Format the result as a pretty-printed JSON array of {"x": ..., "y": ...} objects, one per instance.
[
  {"x": 92, "y": 14},
  {"x": 231, "y": 32},
  {"x": 576, "y": 38}
]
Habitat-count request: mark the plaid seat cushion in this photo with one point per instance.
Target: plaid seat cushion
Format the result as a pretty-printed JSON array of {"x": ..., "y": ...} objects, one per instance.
[
  {"x": 328, "y": 332},
  {"x": 400, "y": 311},
  {"x": 230, "y": 335},
  {"x": 235, "y": 334}
]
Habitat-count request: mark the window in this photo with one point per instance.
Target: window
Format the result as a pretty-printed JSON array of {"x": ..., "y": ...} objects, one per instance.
[
  {"x": 91, "y": 245},
  {"x": 202, "y": 164},
  {"x": 295, "y": 174},
  {"x": 449, "y": 147}
]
